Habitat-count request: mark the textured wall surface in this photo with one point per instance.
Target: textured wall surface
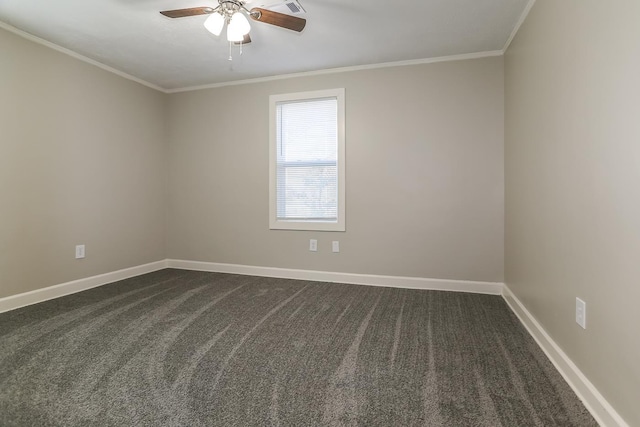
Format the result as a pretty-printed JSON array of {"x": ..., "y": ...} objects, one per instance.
[
  {"x": 82, "y": 161},
  {"x": 424, "y": 180},
  {"x": 572, "y": 194}
]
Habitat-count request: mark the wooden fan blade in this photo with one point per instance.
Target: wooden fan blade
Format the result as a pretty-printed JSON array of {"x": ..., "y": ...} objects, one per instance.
[
  {"x": 246, "y": 40},
  {"x": 279, "y": 19},
  {"x": 181, "y": 13}
]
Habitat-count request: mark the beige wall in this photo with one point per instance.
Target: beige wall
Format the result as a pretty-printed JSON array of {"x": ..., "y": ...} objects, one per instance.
[
  {"x": 82, "y": 160},
  {"x": 424, "y": 181},
  {"x": 573, "y": 184}
]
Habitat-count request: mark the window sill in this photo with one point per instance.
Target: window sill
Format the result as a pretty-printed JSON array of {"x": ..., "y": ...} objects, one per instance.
[{"x": 306, "y": 225}]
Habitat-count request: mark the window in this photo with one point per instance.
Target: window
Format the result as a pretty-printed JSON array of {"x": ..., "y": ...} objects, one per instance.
[{"x": 306, "y": 168}]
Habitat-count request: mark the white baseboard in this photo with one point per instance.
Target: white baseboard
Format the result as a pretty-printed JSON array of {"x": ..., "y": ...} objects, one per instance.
[
  {"x": 39, "y": 295},
  {"x": 492, "y": 288},
  {"x": 597, "y": 405}
]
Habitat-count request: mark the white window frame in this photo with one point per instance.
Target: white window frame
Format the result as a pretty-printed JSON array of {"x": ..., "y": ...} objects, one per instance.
[{"x": 310, "y": 225}]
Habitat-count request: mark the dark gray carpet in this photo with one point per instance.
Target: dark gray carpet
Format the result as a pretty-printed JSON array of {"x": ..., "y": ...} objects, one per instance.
[{"x": 184, "y": 348}]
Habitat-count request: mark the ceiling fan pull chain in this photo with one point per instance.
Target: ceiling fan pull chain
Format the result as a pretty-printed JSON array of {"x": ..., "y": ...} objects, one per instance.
[{"x": 230, "y": 46}]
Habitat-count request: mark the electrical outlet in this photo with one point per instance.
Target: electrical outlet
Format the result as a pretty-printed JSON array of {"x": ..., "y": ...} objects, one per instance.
[
  {"x": 581, "y": 313},
  {"x": 79, "y": 251},
  {"x": 335, "y": 246},
  {"x": 313, "y": 245}
]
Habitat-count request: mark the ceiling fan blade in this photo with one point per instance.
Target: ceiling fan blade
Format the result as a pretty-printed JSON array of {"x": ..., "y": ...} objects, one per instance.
[
  {"x": 181, "y": 13},
  {"x": 246, "y": 40},
  {"x": 279, "y": 19}
]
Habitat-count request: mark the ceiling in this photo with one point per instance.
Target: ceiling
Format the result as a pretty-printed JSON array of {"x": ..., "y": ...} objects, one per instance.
[{"x": 132, "y": 37}]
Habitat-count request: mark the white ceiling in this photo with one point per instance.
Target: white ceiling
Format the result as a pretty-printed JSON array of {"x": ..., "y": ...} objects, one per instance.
[{"x": 132, "y": 37}]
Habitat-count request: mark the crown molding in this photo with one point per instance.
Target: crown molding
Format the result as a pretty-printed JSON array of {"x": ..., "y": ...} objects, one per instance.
[
  {"x": 523, "y": 16},
  {"x": 76, "y": 55},
  {"x": 461, "y": 57}
]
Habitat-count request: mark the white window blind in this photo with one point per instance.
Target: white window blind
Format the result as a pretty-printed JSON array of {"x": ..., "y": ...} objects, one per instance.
[
  {"x": 307, "y": 161},
  {"x": 307, "y": 155}
]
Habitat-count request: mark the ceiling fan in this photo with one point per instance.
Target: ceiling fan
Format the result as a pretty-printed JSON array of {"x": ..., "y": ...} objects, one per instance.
[{"x": 232, "y": 13}]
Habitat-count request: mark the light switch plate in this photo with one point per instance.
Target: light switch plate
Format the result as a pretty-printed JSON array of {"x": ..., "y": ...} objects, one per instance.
[
  {"x": 581, "y": 313},
  {"x": 79, "y": 251}
]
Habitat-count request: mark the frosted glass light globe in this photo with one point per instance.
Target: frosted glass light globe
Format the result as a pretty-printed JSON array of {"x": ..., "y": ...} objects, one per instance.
[{"x": 214, "y": 23}]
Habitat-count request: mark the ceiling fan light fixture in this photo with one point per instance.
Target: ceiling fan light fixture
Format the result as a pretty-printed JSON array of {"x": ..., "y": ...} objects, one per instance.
[
  {"x": 233, "y": 35},
  {"x": 240, "y": 23},
  {"x": 214, "y": 23},
  {"x": 234, "y": 14}
]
